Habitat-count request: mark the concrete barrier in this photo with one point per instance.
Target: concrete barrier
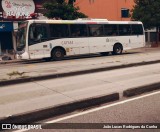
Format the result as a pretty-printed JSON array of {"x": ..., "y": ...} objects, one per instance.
[
  {"x": 140, "y": 90},
  {"x": 45, "y": 113}
]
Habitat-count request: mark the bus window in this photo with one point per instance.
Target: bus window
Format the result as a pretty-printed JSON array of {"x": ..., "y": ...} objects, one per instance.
[
  {"x": 37, "y": 34},
  {"x": 110, "y": 30},
  {"x": 124, "y": 29},
  {"x": 78, "y": 30},
  {"x": 58, "y": 30},
  {"x": 137, "y": 29},
  {"x": 95, "y": 30}
]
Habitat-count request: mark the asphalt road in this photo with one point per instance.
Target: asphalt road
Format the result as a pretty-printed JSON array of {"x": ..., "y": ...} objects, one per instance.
[
  {"x": 145, "y": 109},
  {"x": 142, "y": 109}
]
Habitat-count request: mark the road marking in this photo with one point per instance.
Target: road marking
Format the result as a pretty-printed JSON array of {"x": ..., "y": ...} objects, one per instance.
[
  {"x": 103, "y": 107},
  {"x": 97, "y": 109}
]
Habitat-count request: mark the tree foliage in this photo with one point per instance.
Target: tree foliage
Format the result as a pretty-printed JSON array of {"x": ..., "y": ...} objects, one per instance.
[
  {"x": 71, "y": 2},
  {"x": 60, "y": 9},
  {"x": 147, "y": 11}
]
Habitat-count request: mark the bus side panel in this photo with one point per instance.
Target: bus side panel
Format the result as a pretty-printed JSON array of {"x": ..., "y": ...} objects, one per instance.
[
  {"x": 137, "y": 41},
  {"x": 125, "y": 41},
  {"x": 75, "y": 46},
  {"x": 72, "y": 46},
  {"x": 100, "y": 44},
  {"x": 36, "y": 51}
]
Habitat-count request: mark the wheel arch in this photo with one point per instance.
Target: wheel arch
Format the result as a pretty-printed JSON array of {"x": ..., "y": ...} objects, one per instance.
[{"x": 59, "y": 47}]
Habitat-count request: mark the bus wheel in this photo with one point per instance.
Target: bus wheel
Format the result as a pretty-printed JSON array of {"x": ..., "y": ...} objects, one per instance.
[
  {"x": 57, "y": 54},
  {"x": 104, "y": 53},
  {"x": 117, "y": 49}
]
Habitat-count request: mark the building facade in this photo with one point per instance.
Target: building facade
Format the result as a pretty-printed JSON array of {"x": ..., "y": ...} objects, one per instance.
[
  {"x": 12, "y": 12},
  {"x": 113, "y": 10}
]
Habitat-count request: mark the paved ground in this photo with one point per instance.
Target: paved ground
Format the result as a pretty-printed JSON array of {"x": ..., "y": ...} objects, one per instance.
[
  {"x": 17, "y": 99},
  {"x": 11, "y": 71}
]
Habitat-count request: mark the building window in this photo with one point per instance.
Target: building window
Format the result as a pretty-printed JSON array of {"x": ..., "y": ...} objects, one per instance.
[{"x": 124, "y": 12}]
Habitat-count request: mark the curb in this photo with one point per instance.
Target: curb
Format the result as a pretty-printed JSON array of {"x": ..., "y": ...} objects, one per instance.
[
  {"x": 52, "y": 76},
  {"x": 140, "y": 90},
  {"x": 18, "y": 61},
  {"x": 42, "y": 114},
  {"x": 11, "y": 61}
]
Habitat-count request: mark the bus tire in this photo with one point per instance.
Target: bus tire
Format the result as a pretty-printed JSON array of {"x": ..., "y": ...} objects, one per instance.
[
  {"x": 57, "y": 54},
  {"x": 117, "y": 49},
  {"x": 104, "y": 53}
]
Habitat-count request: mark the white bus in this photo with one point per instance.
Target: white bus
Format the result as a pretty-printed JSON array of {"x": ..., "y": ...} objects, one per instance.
[{"x": 58, "y": 38}]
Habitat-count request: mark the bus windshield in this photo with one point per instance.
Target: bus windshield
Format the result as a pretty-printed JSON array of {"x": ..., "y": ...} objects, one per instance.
[{"x": 21, "y": 36}]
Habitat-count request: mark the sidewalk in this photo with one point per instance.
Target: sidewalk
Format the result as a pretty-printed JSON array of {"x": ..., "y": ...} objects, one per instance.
[
  {"x": 47, "y": 70},
  {"x": 34, "y": 99}
]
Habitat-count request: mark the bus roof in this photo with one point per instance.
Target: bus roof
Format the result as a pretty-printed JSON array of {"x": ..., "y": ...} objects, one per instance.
[{"x": 84, "y": 21}]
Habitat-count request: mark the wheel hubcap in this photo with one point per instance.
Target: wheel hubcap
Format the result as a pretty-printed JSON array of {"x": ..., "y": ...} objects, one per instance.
[
  {"x": 118, "y": 50},
  {"x": 58, "y": 54}
]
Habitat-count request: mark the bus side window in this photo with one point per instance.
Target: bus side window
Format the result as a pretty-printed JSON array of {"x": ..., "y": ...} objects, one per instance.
[
  {"x": 58, "y": 31},
  {"x": 43, "y": 32},
  {"x": 37, "y": 34},
  {"x": 137, "y": 29},
  {"x": 110, "y": 30},
  {"x": 31, "y": 35},
  {"x": 95, "y": 30},
  {"x": 124, "y": 29},
  {"x": 78, "y": 30}
]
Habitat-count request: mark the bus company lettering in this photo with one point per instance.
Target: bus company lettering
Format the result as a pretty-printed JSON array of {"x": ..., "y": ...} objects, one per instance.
[
  {"x": 111, "y": 40},
  {"x": 67, "y": 42}
]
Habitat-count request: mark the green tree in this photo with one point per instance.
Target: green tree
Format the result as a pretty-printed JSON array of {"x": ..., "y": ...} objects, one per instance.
[
  {"x": 60, "y": 9},
  {"x": 71, "y": 2},
  {"x": 147, "y": 11}
]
